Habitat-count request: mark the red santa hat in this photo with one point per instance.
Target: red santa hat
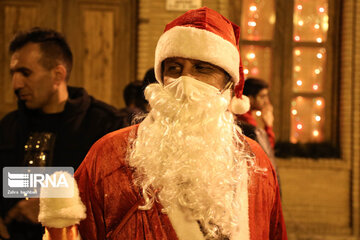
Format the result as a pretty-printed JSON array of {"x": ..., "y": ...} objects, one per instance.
[{"x": 204, "y": 34}]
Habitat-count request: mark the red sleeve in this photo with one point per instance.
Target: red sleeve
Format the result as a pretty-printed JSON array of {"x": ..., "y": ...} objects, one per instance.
[
  {"x": 92, "y": 227},
  {"x": 277, "y": 224},
  {"x": 271, "y": 135},
  {"x": 265, "y": 211}
]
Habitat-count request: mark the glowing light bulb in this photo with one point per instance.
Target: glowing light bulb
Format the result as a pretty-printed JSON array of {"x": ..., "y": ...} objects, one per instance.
[
  {"x": 319, "y": 55},
  {"x": 316, "y": 26},
  {"x": 315, "y": 87},
  {"x": 297, "y": 52},
  {"x": 301, "y": 23},
  {"x": 299, "y": 126},
  {"x": 251, "y": 55},
  {"x": 321, "y": 9},
  {"x": 299, "y": 7},
  {"x": 294, "y": 112},
  {"x": 246, "y": 71},
  {"x": 252, "y": 23},
  {"x": 255, "y": 71},
  {"x": 297, "y": 68},
  {"x": 317, "y": 71},
  {"x": 297, "y": 38},
  {"x": 318, "y": 102},
  {"x": 258, "y": 113},
  {"x": 253, "y": 8},
  {"x": 316, "y": 133},
  {"x": 299, "y": 82},
  {"x": 317, "y": 118},
  {"x": 319, "y": 40}
]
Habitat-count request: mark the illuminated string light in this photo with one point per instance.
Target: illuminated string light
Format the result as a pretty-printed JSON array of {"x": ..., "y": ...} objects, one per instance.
[
  {"x": 252, "y": 23},
  {"x": 255, "y": 71},
  {"x": 319, "y": 40},
  {"x": 316, "y": 26},
  {"x": 297, "y": 52},
  {"x": 321, "y": 9},
  {"x": 317, "y": 71},
  {"x": 318, "y": 102},
  {"x": 319, "y": 55},
  {"x": 246, "y": 71},
  {"x": 253, "y": 8},
  {"x": 251, "y": 55},
  {"x": 301, "y": 23},
  {"x": 297, "y": 38},
  {"x": 258, "y": 113},
  {"x": 299, "y": 82},
  {"x": 299, "y": 126},
  {"x": 294, "y": 112},
  {"x": 299, "y": 7},
  {"x": 297, "y": 68},
  {"x": 315, "y": 87},
  {"x": 316, "y": 133},
  {"x": 317, "y": 118}
]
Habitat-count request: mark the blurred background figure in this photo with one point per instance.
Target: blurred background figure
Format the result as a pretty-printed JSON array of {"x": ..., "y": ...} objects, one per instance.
[
  {"x": 136, "y": 104},
  {"x": 257, "y": 90},
  {"x": 54, "y": 125}
]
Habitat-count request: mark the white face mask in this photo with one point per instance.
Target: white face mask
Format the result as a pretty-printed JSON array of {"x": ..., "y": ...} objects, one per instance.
[{"x": 193, "y": 90}]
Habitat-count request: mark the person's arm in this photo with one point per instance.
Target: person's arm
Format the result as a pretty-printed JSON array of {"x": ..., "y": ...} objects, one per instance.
[
  {"x": 59, "y": 216},
  {"x": 268, "y": 118},
  {"x": 277, "y": 224},
  {"x": 91, "y": 226}
]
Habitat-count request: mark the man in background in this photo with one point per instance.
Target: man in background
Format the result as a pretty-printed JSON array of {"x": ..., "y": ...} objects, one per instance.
[
  {"x": 54, "y": 125},
  {"x": 257, "y": 91}
]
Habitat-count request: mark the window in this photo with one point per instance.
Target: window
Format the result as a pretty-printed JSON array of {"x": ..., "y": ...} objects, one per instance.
[{"x": 291, "y": 45}]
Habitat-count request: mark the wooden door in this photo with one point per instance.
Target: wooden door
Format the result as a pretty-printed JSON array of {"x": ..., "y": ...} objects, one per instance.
[{"x": 102, "y": 35}]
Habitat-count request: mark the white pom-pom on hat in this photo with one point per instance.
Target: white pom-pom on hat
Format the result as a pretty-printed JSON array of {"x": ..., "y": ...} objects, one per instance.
[{"x": 240, "y": 105}]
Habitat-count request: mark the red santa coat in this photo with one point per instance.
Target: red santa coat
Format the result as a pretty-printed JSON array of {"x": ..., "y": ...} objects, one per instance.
[{"x": 107, "y": 190}]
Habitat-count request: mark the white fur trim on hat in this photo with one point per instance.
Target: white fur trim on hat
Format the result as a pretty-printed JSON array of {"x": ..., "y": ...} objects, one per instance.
[
  {"x": 199, "y": 44},
  {"x": 61, "y": 212},
  {"x": 240, "y": 105}
]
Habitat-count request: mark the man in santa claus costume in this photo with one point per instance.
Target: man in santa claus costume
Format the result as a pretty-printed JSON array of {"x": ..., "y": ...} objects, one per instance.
[{"x": 186, "y": 172}]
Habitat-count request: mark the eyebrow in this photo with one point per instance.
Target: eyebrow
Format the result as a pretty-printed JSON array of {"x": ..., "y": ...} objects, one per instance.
[{"x": 20, "y": 69}]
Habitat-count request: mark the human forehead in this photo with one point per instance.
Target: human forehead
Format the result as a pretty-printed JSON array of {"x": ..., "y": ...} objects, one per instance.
[
  {"x": 263, "y": 92},
  {"x": 29, "y": 54}
]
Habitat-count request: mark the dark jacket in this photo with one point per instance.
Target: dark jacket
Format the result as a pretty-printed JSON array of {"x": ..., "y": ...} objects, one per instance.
[{"x": 83, "y": 121}]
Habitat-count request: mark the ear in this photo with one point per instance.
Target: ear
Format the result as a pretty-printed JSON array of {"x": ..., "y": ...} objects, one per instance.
[{"x": 59, "y": 73}]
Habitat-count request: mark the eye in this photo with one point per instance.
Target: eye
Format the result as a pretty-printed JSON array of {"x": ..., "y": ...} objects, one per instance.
[
  {"x": 172, "y": 68},
  {"x": 204, "y": 68},
  {"x": 26, "y": 73}
]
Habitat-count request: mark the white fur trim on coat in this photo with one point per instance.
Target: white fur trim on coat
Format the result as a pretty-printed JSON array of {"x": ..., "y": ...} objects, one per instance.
[
  {"x": 61, "y": 212},
  {"x": 199, "y": 44}
]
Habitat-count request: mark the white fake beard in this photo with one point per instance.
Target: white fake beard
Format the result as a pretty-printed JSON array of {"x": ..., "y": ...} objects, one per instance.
[{"x": 188, "y": 153}]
